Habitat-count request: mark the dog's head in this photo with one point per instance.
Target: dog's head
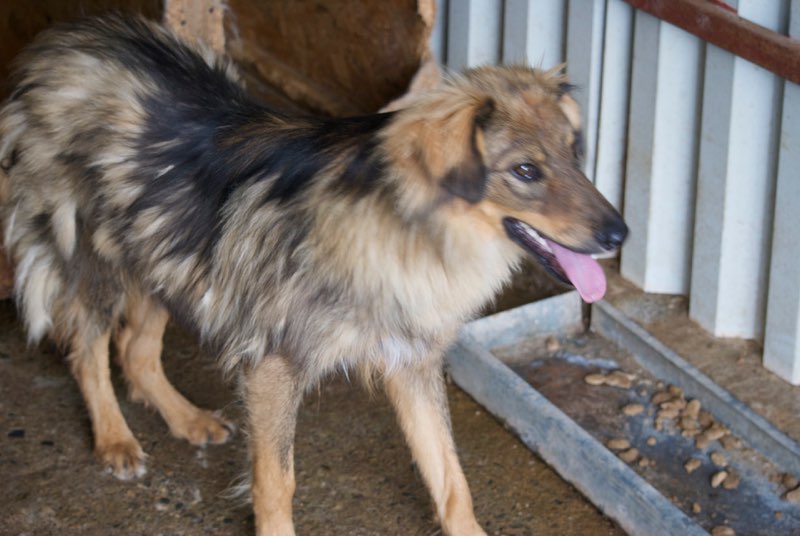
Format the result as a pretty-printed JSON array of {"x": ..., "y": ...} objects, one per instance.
[{"x": 505, "y": 142}]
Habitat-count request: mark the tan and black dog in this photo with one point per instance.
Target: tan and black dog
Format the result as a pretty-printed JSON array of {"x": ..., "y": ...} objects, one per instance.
[{"x": 139, "y": 182}]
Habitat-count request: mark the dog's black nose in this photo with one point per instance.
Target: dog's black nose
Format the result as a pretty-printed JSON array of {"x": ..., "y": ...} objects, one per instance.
[{"x": 612, "y": 234}]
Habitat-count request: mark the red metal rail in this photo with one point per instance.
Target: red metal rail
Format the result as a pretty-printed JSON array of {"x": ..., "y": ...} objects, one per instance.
[{"x": 722, "y": 26}]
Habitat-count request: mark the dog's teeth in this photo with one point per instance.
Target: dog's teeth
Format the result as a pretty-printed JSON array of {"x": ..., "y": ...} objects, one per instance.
[
  {"x": 536, "y": 236},
  {"x": 539, "y": 240}
]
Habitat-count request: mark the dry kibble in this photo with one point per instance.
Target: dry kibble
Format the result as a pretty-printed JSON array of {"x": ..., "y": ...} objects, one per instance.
[
  {"x": 660, "y": 397},
  {"x": 645, "y": 462},
  {"x": 778, "y": 515},
  {"x": 789, "y": 481},
  {"x": 722, "y": 531},
  {"x": 669, "y": 413},
  {"x": 674, "y": 390},
  {"x": 620, "y": 379},
  {"x": 718, "y": 478},
  {"x": 618, "y": 443},
  {"x": 692, "y": 464},
  {"x": 651, "y": 441},
  {"x": 705, "y": 419},
  {"x": 629, "y": 455},
  {"x": 692, "y": 409},
  {"x": 719, "y": 459},
  {"x": 677, "y": 404},
  {"x": 552, "y": 344},
  {"x": 696, "y": 508},
  {"x": 730, "y": 442},
  {"x": 716, "y": 431},
  {"x": 793, "y": 496},
  {"x": 731, "y": 481},
  {"x": 595, "y": 379},
  {"x": 690, "y": 432},
  {"x": 632, "y": 409},
  {"x": 702, "y": 441},
  {"x": 688, "y": 423}
]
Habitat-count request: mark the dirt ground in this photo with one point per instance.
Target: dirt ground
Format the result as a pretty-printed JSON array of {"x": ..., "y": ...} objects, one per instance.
[{"x": 354, "y": 472}]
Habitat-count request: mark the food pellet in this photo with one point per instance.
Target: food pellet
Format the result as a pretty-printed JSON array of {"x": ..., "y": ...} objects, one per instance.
[
  {"x": 632, "y": 409},
  {"x": 730, "y": 443},
  {"x": 677, "y": 404},
  {"x": 651, "y": 441},
  {"x": 669, "y": 413},
  {"x": 702, "y": 441},
  {"x": 619, "y": 379},
  {"x": 692, "y": 409},
  {"x": 793, "y": 496},
  {"x": 629, "y": 455},
  {"x": 692, "y": 464},
  {"x": 618, "y": 443},
  {"x": 719, "y": 459},
  {"x": 674, "y": 390},
  {"x": 595, "y": 379},
  {"x": 696, "y": 508},
  {"x": 731, "y": 481},
  {"x": 688, "y": 423},
  {"x": 718, "y": 478},
  {"x": 705, "y": 419},
  {"x": 660, "y": 397},
  {"x": 552, "y": 344},
  {"x": 722, "y": 531},
  {"x": 789, "y": 481},
  {"x": 716, "y": 431}
]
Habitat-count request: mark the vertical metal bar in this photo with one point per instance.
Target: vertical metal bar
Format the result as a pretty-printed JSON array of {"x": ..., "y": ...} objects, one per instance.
[
  {"x": 474, "y": 35},
  {"x": 782, "y": 337},
  {"x": 736, "y": 185},
  {"x": 533, "y": 32},
  {"x": 585, "y": 22},
  {"x": 612, "y": 128},
  {"x": 661, "y": 159}
]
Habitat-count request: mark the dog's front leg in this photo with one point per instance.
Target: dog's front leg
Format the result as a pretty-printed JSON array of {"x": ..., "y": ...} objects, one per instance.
[
  {"x": 272, "y": 396},
  {"x": 419, "y": 397}
]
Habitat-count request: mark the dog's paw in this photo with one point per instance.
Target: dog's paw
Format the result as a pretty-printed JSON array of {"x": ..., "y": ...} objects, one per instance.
[
  {"x": 203, "y": 428},
  {"x": 124, "y": 459}
]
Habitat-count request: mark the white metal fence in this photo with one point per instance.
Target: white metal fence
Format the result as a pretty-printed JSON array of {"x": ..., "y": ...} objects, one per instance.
[{"x": 699, "y": 148}]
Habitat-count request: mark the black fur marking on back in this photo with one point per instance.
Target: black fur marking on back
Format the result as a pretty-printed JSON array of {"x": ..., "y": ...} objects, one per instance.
[{"x": 203, "y": 138}]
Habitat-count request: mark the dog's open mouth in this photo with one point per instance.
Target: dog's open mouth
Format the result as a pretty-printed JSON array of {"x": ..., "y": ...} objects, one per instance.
[{"x": 577, "y": 269}]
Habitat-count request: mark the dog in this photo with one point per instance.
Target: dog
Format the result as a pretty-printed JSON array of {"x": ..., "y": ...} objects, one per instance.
[{"x": 141, "y": 183}]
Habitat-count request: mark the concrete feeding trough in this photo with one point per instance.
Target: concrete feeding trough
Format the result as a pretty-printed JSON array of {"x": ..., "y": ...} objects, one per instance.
[{"x": 530, "y": 367}]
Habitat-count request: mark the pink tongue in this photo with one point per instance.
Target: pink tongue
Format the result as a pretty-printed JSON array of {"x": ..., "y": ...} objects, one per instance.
[{"x": 583, "y": 271}]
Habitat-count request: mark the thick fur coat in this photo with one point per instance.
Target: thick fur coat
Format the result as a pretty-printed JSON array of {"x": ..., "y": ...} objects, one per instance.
[{"x": 139, "y": 180}]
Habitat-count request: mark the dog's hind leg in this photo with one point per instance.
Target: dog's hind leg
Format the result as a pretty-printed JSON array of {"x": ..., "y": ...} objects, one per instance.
[
  {"x": 139, "y": 345},
  {"x": 272, "y": 395},
  {"x": 114, "y": 442},
  {"x": 419, "y": 397}
]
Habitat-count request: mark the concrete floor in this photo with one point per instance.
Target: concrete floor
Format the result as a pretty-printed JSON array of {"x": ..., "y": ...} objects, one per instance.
[{"x": 354, "y": 472}]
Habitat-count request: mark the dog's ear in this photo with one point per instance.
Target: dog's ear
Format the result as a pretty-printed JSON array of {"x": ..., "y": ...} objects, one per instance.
[
  {"x": 467, "y": 178},
  {"x": 438, "y": 146}
]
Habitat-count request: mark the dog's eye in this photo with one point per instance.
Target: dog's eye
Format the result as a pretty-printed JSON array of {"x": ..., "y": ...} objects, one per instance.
[{"x": 527, "y": 172}]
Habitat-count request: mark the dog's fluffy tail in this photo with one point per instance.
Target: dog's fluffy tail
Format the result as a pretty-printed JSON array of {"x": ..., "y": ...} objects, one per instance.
[
  {"x": 12, "y": 125},
  {"x": 37, "y": 281}
]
